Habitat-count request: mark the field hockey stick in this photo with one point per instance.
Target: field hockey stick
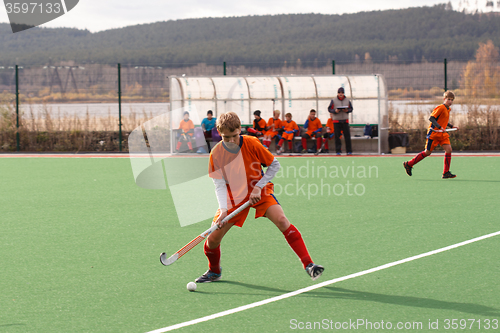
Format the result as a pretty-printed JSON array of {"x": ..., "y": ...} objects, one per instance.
[
  {"x": 185, "y": 249},
  {"x": 446, "y": 130},
  {"x": 322, "y": 146}
]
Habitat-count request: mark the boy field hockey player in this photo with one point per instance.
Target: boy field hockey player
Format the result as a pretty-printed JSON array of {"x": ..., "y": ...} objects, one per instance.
[
  {"x": 314, "y": 128},
  {"x": 235, "y": 167},
  {"x": 273, "y": 126},
  {"x": 436, "y": 135},
  {"x": 290, "y": 128}
]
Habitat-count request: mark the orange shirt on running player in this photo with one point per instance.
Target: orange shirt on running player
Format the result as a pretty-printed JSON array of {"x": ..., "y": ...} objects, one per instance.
[
  {"x": 442, "y": 115},
  {"x": 185, "y": 126},
  {"x": 241, "y": 168}
]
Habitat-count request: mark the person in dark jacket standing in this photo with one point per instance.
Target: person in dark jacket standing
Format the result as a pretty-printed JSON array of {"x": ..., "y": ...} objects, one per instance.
[{"x": 340, "y": 107}]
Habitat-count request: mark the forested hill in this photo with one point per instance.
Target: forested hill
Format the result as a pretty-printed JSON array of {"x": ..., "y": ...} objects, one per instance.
[{"x": 408, "y": 34}]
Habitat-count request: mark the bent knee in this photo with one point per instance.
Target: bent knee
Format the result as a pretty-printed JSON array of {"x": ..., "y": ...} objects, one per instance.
[{"x": 282, "y": 223}]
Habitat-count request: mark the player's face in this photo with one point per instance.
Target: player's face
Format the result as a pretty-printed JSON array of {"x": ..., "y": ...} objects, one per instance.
[
  {"x": 276, "y": 115},
  {"x": 448, "y": 102},
  {"x": 186, "y": 117},
  {"x": 209, "y": 116},
  {"x": 312, "y": 115},
  {"x": 231, "y": 139},
  {"x": 289, "y": 119},
  {"x": 340, "y": 95}
]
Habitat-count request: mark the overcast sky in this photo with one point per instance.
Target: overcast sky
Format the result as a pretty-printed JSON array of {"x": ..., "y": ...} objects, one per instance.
[{"x": 97, "y": 15}]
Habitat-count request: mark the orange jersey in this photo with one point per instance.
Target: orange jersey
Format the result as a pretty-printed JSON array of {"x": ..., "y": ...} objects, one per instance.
[
  {"x": 185, "y": 126},
  {"x": 329, "y": 124},
  {"x": 240, "y": 168},
  {"x": 289, "y": 127},
  {"x": 259, "y": 125},
  {"x": 313, "y": 125},
  {"x": 272, "y": 131},
  {"x": 442, "y": 115}
]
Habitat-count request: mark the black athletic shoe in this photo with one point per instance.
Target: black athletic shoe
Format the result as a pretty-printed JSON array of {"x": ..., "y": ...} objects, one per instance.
[
  {"x": 314, "y": 271},
  {"x": 209, "y": 276},
  {"x": 448, "y": 175},
  {"x": 408, "y": 168}
]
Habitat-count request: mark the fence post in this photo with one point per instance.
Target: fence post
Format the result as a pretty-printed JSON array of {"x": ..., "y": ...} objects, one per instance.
[
  {"x": 445, "y": 75},
  {"x": 17, "y": 110},
  {"x": 119, "y": 107},
  {"x": 333, "y": 67},
  {"x": 224, "y": 68}
]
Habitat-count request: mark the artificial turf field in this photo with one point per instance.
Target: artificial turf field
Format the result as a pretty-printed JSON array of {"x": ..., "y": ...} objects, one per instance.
[{"x": 79, "y": 247}]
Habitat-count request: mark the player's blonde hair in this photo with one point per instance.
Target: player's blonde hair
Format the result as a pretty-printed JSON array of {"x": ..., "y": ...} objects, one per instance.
[
  {"x": 278, "y": 112},
  {"x": 449, "y": 94},
  {"x": 228, "y": 121}
]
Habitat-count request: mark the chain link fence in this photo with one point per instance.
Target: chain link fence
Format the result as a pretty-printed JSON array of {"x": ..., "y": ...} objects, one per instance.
[{"x": 72, "y": 107}]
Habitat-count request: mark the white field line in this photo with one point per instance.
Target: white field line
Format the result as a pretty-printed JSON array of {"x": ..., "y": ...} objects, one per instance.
[{"x": 319, "y": 285}]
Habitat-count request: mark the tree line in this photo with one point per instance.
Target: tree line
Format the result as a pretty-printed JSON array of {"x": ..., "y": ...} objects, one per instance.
[{"x": 406, "y": 35}]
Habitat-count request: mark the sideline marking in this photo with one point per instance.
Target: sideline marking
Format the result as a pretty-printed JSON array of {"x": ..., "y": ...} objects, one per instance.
[
  {"x": 126, "y": 155},
  {"x": 319, "y": 285}
]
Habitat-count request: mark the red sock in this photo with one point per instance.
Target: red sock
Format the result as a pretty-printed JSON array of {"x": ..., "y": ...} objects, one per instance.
[
  {"x": 326, "y": 144},
  {"x": 190, "y": 145},
  {"x": 179, "y": 144},
  {"x": 318, "y": 143},
  {"x": 281, "y": 143},
  {"x": 294, "y": 239},
  {"x": 290, "y": 145},
  {"x": 417, "y": 159},
  {"x": 447, "y": 162},
  {"x": 213, "y": 256},
  {"x": 268, "y": 143},
  {"x": 304, "y": 143}
]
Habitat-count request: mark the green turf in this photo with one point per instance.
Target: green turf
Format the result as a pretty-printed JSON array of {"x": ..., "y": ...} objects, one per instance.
[{"x": 79, "y": 246}]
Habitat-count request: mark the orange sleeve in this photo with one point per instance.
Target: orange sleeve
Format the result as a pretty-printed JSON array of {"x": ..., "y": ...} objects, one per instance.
[
  {"x": 262, "y": 123},
  {"x": 329, "y": 123},
  {"x": 437, "y": 111},
  {"x": 270, "y": 122}
]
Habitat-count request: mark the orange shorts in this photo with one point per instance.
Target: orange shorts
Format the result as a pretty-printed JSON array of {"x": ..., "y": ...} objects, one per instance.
[
  {"x": 261, "y": 207},
  {"x": 287, "y": 136},
  {"x": 430, "y": 144},
  {"x": 272, "y": 134}
]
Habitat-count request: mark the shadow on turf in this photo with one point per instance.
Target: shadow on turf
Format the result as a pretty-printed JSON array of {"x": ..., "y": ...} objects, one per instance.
[
  {"x": 253, "y": 286},
  {"x": 418, "y": 302}
]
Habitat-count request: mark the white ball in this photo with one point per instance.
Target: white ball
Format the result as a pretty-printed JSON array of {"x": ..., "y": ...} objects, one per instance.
[{"x": 191, "y": 286}]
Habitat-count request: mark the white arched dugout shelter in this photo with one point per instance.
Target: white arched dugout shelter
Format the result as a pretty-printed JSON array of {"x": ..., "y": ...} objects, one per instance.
[{"x": 294, "y": 94}]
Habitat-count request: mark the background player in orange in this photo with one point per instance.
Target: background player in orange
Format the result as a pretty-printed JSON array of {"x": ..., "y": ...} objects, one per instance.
[
  {"x": 436, "y": 135},
  {"x": 330, "y": 133},
  {"x": 273, "y": 125},
  {"x": 235, "y": 167},
  {"x": 290, "y": 128},
  {"x": 259, "y": 125},
  {"x": 187, "y": 129},
  {"x": 314, "y": 129}
]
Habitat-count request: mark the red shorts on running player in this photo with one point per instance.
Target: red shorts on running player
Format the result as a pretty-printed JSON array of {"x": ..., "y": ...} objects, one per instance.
[
  {"x": 430, "y": 144},
  {"x": 261, "y": 207}
]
